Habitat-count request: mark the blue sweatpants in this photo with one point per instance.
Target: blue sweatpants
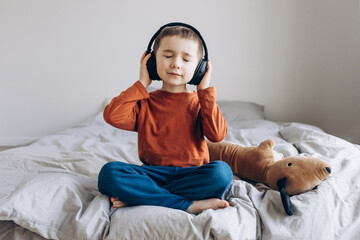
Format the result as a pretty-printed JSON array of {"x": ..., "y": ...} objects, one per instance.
[{"x": 173, "y": 187}]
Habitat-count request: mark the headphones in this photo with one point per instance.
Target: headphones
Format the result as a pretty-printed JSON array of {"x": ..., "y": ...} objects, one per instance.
[{"x": 200, "y": 69}]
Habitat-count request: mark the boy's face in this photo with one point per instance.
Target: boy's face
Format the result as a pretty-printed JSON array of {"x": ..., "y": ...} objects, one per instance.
[{"x": 176, "y": 60}]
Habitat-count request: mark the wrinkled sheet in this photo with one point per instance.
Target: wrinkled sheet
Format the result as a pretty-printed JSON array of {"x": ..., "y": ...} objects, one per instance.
[{"x": 49, "y": 190}]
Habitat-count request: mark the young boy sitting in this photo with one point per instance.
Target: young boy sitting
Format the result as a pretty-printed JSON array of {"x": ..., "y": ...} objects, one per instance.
[{"x": 171, "y": 125}]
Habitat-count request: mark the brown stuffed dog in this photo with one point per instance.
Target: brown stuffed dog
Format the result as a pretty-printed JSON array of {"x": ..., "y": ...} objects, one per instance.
[{"x": 290, "y": 176}]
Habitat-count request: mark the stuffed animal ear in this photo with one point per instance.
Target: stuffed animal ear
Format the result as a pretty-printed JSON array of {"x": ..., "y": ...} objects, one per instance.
[
  {"x": 267, "y": 144},
  {"x": 285, "y": 198}
]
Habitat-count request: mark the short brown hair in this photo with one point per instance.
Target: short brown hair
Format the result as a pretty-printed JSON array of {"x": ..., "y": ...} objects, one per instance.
[{"x": 179, "y": 31}]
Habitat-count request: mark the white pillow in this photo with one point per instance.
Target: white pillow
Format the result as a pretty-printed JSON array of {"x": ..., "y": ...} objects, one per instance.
[{"x": 239, "y": 110}]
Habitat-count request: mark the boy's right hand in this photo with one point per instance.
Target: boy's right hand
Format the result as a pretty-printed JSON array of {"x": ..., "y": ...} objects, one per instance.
[{"x": 144, "y": 74}]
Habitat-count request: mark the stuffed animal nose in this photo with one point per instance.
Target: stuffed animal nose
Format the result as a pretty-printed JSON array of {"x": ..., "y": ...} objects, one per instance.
[{"x": 328, "y": 169}]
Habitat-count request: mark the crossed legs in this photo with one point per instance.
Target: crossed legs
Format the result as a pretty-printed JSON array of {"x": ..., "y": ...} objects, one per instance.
[{"x": 191, "y": 189}]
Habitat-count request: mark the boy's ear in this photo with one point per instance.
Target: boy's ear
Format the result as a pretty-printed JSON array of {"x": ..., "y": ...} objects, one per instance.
[{"x": 151, "y": 67}]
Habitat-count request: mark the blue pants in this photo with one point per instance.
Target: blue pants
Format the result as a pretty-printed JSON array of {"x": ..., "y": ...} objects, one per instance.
[{"x": 173, "y": 187}]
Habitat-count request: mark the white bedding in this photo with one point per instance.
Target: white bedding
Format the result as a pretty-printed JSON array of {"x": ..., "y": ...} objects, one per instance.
[{"x": 50, "y": 189}]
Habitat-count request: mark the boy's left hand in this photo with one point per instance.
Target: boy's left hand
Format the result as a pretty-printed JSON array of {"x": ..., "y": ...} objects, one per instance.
[{"x": 205, "y": 82}]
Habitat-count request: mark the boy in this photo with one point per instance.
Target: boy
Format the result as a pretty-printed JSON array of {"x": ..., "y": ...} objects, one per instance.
[{"x": 171, "y": 125}]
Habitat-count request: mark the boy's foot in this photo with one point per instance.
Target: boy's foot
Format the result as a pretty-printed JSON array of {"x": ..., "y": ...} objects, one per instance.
[
  {"x": 214, "y": 203},
  {"x": 116, "y": 203}
]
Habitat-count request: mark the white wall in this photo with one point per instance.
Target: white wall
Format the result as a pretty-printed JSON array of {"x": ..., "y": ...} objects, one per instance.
[{"x": 60, "y": 59}]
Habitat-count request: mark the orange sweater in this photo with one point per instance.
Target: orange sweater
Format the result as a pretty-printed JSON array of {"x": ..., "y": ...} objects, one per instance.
[{"x": 170, "y": 126}]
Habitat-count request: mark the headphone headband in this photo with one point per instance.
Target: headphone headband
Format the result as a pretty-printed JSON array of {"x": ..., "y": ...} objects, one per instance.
[{"x": 179, "y": 24}]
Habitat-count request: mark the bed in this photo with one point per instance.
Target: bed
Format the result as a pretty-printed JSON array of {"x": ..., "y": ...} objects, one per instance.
[{"x": 48, "y": 190}]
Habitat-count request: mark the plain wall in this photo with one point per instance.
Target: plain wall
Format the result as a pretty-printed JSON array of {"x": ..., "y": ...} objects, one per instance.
[{"x": 59, "y": 60}]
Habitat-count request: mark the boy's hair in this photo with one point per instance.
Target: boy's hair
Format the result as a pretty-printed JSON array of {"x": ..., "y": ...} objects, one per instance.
[{"x": 180, "y": 31}]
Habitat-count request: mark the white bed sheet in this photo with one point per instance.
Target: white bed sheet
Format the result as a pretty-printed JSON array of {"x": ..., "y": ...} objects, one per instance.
[{"x": 50, "y": 188}]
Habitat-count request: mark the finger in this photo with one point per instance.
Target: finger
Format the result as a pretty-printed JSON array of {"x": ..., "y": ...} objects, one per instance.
[
  {"x": 209, "y": 66},
  {"x": 143, "y": 56},
  {"x": 146, "y": 58}
]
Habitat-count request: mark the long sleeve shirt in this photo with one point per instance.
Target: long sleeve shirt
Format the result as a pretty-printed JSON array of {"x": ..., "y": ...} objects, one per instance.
[{"x": 171, "y": 126}]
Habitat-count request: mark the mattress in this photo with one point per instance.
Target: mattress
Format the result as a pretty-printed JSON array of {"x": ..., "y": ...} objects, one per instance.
[{"x": 48, "y": 190}]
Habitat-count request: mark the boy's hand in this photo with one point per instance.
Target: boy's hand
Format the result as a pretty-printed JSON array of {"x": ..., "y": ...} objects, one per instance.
[
  {"x": 144, "y": 74},
  {"x": 205, "y": 82}
]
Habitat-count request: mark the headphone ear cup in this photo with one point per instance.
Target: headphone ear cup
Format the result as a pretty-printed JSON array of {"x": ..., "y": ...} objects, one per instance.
[
  {"x": 151, "y": 67},
  {"x": 199, "y": 72}
]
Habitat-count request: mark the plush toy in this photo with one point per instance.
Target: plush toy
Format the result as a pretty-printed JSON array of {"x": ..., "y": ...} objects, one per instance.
[{"x": 290, "y": 176}]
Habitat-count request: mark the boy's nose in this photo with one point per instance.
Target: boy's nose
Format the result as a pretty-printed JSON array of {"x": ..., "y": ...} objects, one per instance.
[{"x": 175, "y": 63}]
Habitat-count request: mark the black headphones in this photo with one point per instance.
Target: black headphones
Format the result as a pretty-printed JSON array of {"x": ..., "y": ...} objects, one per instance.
[{"x": 200, "y": 69}]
